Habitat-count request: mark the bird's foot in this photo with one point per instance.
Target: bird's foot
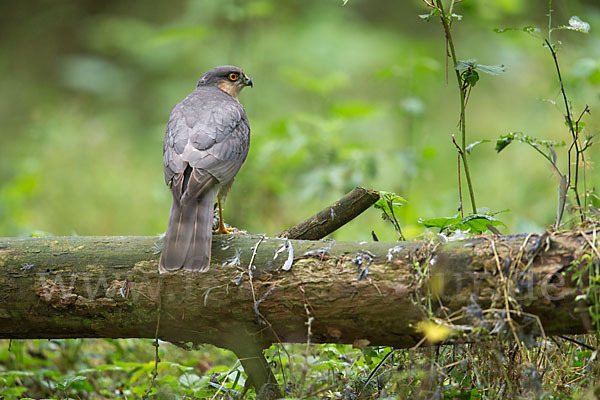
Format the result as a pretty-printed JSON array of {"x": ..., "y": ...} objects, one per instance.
[{"x": 223, "y": 229}]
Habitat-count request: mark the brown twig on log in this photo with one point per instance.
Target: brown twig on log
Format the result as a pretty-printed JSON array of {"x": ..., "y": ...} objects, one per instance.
[{"x": 336, "y": 215}]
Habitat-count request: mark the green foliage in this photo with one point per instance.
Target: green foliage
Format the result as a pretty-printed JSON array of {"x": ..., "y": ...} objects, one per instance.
[
  {"x": 474, "y": 223},
  {"x": 585, "y": 272},
  {"x": 96, "y": 369},
  {"x": 504, "y": 140},
  {"x": 343, "y": 96},
  {"x": 389, "y": 204}
]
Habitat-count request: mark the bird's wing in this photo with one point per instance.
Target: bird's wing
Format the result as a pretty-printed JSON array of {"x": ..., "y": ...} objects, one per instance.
[
  {"x": 206, "y": 142},
  {"x": 208, "y": 131}
]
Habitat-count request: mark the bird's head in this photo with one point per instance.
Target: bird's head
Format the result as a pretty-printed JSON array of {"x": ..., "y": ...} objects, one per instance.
[{"x": 228, "y": 78}]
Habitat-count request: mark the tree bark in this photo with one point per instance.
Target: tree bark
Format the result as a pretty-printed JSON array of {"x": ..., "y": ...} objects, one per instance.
[{"x": 362, "y": 293}]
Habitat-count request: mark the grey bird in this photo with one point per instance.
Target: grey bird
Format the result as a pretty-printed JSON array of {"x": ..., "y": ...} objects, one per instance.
[{"x": 207, "y": 140}]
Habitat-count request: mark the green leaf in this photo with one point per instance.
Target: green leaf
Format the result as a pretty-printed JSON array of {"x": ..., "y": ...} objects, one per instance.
[
  {"x": 478, "y": 223},
  {"x": 442, "y": 222},
  {"x": 504, "y": 141},
  {"x": 69, "y": 381},
  {"x": 507, "y": 139},
  {"x": 472, "y": 145},
  {"x": 433, "y": 13},
  {"x": 389, "y": 202},
  {"x": 530, "y": 29},
  {"x": 191, "y": 381},
  {"x": 475, "y": 223},
  {"x": 491, "y": 69}
]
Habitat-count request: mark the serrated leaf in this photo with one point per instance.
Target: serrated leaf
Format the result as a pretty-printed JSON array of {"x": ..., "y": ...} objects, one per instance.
[
  {"x": 491, "y": 69},
  {"x": 472, "y": 145},
  {"x": 578, "y": 25},
  {"x": 466, "y": 64}
]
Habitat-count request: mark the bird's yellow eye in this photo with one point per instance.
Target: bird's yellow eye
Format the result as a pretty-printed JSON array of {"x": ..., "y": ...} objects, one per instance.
[{"x": 233, "y": 76}]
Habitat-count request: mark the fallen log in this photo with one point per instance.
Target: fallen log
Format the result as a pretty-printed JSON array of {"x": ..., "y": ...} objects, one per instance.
[{"x": 267, "y": 288}]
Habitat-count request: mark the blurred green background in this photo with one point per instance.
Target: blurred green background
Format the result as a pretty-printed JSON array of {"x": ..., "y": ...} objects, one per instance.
[{"x": 344, "y": 96}]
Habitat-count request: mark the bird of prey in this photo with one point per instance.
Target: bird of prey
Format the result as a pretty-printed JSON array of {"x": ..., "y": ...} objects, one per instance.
[{"x": 207, "y": 140}]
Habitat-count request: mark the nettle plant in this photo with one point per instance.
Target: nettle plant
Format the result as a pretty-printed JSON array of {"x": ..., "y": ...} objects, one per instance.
[{"x": 467, "y": 75}]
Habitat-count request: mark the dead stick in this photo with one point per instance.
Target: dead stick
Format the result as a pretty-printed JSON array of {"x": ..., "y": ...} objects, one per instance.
[{"x": 336, "y": 215}]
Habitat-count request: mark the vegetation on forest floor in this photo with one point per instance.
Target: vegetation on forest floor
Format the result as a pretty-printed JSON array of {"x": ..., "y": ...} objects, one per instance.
[{"x": 506, "y": 362}]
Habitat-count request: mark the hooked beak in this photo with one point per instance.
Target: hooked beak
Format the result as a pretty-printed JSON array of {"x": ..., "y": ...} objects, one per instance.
[{"x": 248, "y": 81}]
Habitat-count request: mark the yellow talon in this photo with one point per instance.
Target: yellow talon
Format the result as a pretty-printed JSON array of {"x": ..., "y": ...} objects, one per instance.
[{"x": 222, "y": 229}]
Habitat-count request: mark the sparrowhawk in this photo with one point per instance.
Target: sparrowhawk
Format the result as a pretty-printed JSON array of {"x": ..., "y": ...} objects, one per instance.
[{"x": 207, "y": 140}]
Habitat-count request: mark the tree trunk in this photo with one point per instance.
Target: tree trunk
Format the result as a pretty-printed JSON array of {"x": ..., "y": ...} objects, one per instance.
[{"x": 363, "y": 293}]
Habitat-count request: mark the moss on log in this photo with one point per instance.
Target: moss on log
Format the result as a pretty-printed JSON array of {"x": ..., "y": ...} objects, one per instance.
[{"x": 362, "y": 293}]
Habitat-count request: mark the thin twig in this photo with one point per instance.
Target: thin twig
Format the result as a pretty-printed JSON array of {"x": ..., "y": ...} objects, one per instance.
[
  {"x": 577, "y": 342},
  {"x": 372, "y": 374},
  {"x": 250, "y": 267}
]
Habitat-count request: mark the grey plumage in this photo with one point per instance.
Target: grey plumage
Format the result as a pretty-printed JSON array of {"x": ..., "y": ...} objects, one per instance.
[{"x": 206, "y": 142}]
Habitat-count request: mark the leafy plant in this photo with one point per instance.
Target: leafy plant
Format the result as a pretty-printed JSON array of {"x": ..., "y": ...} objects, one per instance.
[
  {"x": 474, "y": 223},
  {"x": 389, "y": 204},
  {"x": 467, "y": 77},
  {"x": 570, "y": 179}
]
